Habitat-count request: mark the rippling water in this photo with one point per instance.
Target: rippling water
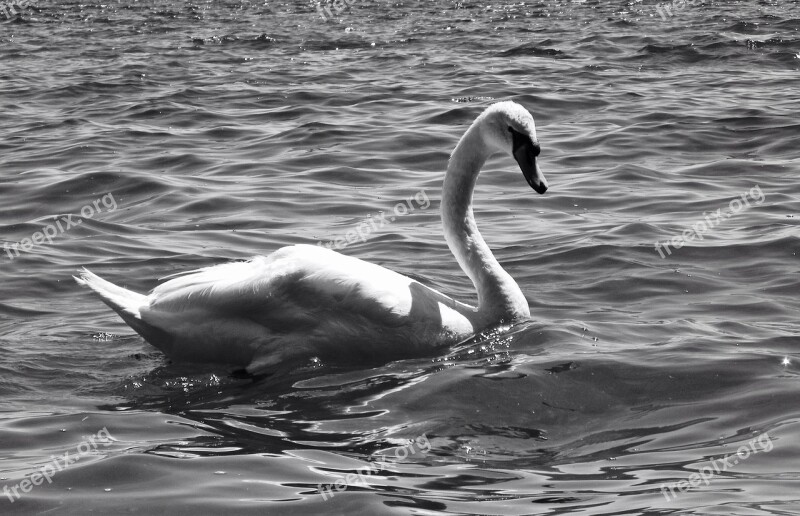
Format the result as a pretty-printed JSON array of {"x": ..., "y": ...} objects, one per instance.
[{"x": 156, "y": 137}]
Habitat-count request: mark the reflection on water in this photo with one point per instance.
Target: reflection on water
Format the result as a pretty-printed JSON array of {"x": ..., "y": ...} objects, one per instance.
[{"x": 218, "y": 131}]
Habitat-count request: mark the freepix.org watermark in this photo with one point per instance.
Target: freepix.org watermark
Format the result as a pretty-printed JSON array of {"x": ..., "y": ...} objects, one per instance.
[
  {"x": 60, "y": 226},
  {"x": 7, "y": 8},
  {"x": 418, "y": 445},
  {"x": 370, "y": 224},
  {"x": 711, "y": 220},
  {"x": 678, "y": 5},
  {"x": 324, "y": 7},
  {"x": 59, "y": 463},
  {"x": 706, "y": 473}
]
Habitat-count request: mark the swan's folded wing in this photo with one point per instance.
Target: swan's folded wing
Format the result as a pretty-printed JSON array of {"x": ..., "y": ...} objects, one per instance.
[{"x": 292, "y": 288}]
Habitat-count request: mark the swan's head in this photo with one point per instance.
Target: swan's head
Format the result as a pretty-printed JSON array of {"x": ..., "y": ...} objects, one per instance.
[{"x": 508, "y": 127}]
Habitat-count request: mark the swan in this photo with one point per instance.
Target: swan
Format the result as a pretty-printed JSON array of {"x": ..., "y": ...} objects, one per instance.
[{"x": 303, "y": 301}]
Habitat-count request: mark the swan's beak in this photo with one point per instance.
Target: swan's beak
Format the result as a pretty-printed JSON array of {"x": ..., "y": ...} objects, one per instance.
[{"x": 525, "y": 152}]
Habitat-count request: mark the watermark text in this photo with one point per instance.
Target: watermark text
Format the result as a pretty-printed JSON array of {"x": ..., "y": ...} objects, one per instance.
[
  {"x": 666, "y": 10},
  {"x": 7, "y": 8},
  {"x": 59, "y": 463},
  {"x": 419, "y": 445},
  {"x": 324, "y": 7},
  {"x": 60, "y": 226},
  {"x": 717, "y": 466},
  {"x": 374, "y": 223},
  {"x": 711, "y": 220}
]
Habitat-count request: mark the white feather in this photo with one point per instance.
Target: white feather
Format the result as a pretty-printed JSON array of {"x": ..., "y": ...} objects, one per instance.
[{"x": 305, "y": 300}]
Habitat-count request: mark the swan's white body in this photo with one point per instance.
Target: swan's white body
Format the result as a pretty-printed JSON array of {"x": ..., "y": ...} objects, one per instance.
[{"x": 305, "y": 300}]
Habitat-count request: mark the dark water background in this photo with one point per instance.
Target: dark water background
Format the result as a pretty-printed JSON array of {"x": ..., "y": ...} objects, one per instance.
[{"x": 226, "y": 129}]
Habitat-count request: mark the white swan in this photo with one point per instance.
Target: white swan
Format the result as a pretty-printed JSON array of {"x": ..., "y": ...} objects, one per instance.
[{"x": 304, "y": 300}]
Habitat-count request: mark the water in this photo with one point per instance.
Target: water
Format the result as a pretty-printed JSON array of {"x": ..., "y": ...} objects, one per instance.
[{"x": 202, "y": 132}]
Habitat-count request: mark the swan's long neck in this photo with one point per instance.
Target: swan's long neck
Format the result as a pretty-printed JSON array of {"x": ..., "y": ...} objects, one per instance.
[{"x": 499, "y": 296}]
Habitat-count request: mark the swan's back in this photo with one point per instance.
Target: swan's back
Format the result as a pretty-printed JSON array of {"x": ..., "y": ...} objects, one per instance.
[
  {"x": 299, "y": 277},
  {"x": 304, "y": 300}
]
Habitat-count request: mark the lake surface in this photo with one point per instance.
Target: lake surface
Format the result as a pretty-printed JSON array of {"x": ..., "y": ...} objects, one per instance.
[{"x": 156, "y": 137}]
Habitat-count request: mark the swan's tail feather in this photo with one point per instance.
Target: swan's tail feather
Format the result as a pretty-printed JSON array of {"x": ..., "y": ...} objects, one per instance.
[
  {"x": 119, "y": 299},
  {"x": 126, "y": 303}
]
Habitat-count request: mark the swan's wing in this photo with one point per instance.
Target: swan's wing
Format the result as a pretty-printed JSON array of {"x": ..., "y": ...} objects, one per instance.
[{"x": 296, "y": 286}]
